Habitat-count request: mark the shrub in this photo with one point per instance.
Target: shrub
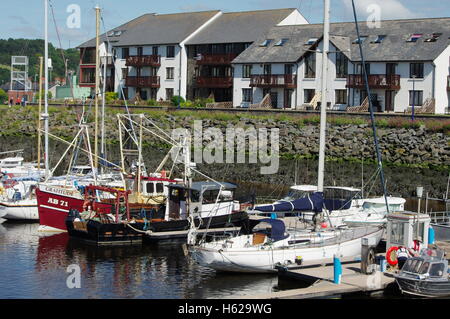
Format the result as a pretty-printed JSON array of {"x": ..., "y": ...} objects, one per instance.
[
  {"x": 176, "y": 99},
  {"x": 111, "y": 96},
  {"x": 152, "y": 102},
  {"x": 3, "y": 96}
]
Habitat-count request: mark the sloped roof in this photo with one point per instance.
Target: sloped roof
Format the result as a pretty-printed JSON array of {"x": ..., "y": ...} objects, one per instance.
[
  {"x": 240, "y": 27},
  {"x": 157, "y": 29},
  {"x": 394, "y": 46}
]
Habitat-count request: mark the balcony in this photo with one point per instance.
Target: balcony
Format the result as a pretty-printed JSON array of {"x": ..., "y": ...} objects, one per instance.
[
  {"x": 87, "y": 76},
  {"x": 376, "y": 81},
  {"x": 214, "y": 82},
  {"x": 274, "y": 80},
  {"x": 216, "y": 59},
  {"x": 142, "y": 81},
  {"x": 143, "y": 60}
]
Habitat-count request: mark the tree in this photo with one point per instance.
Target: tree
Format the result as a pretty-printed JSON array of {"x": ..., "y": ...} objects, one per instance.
[{"x": 3, "y": 96}]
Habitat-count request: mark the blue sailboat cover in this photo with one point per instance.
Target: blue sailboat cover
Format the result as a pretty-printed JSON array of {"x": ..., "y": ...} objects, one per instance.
[
  {"x": 278, "y": 228},
  {"x": 312, "y": 202}
]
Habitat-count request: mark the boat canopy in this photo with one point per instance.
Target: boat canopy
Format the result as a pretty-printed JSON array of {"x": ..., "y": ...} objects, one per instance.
[
  {"x": 312, "y": 202},
  {"x": 278, "y": 228}
]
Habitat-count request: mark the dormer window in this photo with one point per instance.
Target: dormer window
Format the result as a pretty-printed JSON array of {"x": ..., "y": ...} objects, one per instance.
[
  {"x": 265, "y": 43},
  {"x": 434, "y": 37},
  {"x": 311, "y": 41},
  {"x": 360, "y": 39},
  {"x": 117, "y": 33},
  {"x": 281, "y": 42},
  {"x": 379, "y": 39},
  {"x": 415, "y": 37}
]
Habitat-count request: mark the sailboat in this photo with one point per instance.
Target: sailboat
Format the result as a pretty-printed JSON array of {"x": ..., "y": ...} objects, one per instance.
[{"x": 262, "y": 250}]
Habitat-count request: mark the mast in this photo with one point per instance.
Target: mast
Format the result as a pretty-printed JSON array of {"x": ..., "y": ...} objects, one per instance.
[
  {"x": 41, "y": 66},
  {"x": 97, "y": 83},
  {"x": 323, "y": 104},
  {"x": 45, "y": 115},
  {"x": 102, "y": 128},
  {"x": 372, "y": 116}
]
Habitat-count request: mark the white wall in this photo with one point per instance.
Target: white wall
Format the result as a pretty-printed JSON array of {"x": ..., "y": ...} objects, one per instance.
[
  {"x": 294, "y": 18},
  {"x": 442, "y": 72}
]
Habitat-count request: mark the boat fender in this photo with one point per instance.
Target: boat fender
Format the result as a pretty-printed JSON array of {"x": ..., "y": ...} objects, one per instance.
[{"x": 389, "y": 256}]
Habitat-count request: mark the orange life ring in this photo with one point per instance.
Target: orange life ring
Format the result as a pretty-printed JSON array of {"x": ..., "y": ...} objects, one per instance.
[{"x": 389, "y": 257}]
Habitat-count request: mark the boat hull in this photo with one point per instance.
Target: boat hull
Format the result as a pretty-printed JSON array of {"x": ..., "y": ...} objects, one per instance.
[
  {"x": 119, "y": 233},
  {"x": 19, "y": 212},
  {"x": 53, "y": 208},
  {"x": 423, "y": 288},
  {"x": 257, "y": 260}
]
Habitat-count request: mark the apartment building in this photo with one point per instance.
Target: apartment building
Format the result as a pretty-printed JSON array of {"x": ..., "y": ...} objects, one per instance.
[
  {"x": 407, "y": 63},
  {"x": 211, "y": 50},
  {"x": 151, "y": 52}
]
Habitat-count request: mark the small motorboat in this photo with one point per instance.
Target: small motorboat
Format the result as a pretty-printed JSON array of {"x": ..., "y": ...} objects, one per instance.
[{"x": 425, "y": 275}]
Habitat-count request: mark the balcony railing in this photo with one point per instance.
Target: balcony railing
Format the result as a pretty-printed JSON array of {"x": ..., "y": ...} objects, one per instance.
[
  {"x": 143, "y": 81},
  {"x": 215, "y": 59},
  {"x": 274, "y": 80},
  {"x": 143, "y": 60},
  {"x": 214, "y": 82},
  {"x": 376, "y": 81}
]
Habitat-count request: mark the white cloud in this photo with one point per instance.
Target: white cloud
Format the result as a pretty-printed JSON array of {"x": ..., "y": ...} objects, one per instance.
[{"x": 390, "y": 9}]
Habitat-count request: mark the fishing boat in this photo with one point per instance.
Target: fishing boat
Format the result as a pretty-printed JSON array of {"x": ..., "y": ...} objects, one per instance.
[
  {"x": 425, "y": 275},
  {"x": 119, "y": 221}
]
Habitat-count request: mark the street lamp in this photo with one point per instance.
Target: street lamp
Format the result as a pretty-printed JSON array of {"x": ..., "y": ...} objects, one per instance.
[{"x": 413, "y": 96}]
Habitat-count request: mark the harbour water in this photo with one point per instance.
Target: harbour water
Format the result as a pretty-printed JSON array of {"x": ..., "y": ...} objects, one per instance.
[{"x": 38, "y": 266}]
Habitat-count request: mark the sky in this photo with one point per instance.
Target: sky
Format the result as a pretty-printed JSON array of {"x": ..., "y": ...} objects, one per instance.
[{"x": 25, "y": 18}]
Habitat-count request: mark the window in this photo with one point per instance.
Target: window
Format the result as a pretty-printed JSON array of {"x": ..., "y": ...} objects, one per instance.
[
  {"x": 437, "y": 270},
  {"x": 155, "y": 50},
  {"x": 246, "y": 70},
  {"x": 169, "y": 73},
  {"x": 310, "y": 66},
  {"x": 397, "y": 232},
  {"x": 247, "y": 95},
  {"x": 125, "y": 53},
  {"x": 150, "y": 188},
  {"x": 309, "y": 94},
  {"x": 288, "y": 69},
  {"x": 265, "y": 43},
  {"x": 379, "y": 39},
  {"x": 416, "y": 97},
  {"x": 160, "y": 188},
  {"x": 341, "y": 65},
  {"x": 153, "y": 71},
  {"x": 341, "y": 97},
  {"x": 416, "y": 70},
  {"x": 170, "y": 51},
  {"x": 311, "y": 41},
  {"x": 169, "y": 94},
  {"x": 434, "y": 37},
  {"x": 360, "y": 70},
  {"x": 124, "y": 73},
  {"x": 414, "y": 37},
  {"x": 153, "y": 92},
  {"x": 360, "y": 40},
  {"x": 140, "y": 51},
  {"x": 267, "y": 69},
  {"x": 281, "y": 42}
]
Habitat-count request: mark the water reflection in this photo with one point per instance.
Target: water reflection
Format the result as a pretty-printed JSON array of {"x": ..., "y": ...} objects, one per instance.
[{"x": 37, "y": 269}]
